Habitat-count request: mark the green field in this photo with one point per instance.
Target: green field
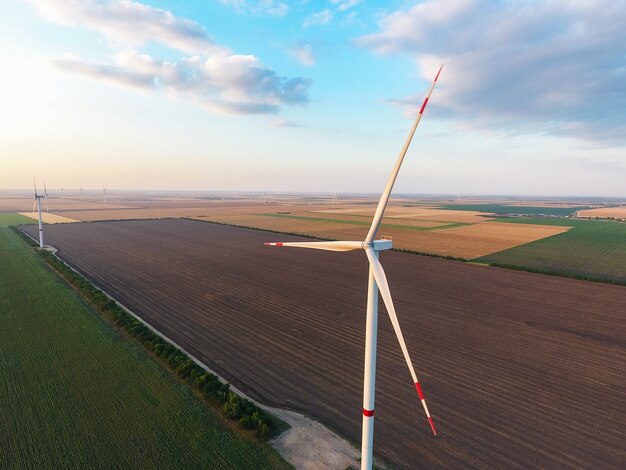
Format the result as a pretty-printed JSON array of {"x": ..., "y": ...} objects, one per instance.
[
  {"x": 506, "y": 209},
  {"x": 15, "y": 219},
  {"x": 592, "y": 248},
  {"x": 368, "y": 223},
  {"x": 77, "y": 394}
]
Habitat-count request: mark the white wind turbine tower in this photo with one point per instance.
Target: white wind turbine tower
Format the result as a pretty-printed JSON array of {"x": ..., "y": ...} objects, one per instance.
[
  {"x": 81, "y": 194},
  {"x": 377, "y": 281},
  {"x": 104, "y": 193},
  {"x": 37, "y": 202}
]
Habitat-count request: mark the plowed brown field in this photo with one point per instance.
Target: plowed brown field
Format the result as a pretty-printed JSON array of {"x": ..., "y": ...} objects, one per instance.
[
  {"x": 521, "y": 370},
  {"x": 469, "y": 241},
  {"x": 617, "y": 212}
]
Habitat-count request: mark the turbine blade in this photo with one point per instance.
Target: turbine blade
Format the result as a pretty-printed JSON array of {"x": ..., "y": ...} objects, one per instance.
[
  {"x": 34, "y": 203},
  {"x": 383, "y": 287},
  {"x": 384, "y": 198},
  {"x": 45, "y": 192},
  {"x": 328, "y": 246}
]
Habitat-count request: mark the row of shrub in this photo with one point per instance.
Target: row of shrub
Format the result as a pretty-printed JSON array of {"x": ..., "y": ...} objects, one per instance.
[
  {"x": 218, "y": 394},
  {"x": 432, "y": 255},
  {"x": 23, "y": 236},
  {"x": 550, "y": 272}
]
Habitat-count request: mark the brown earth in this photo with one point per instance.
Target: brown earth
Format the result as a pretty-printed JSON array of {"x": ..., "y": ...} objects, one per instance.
[
  {"x": 174, "y": 209},
  {"x": 471, "y": 241},
  {"x": 464, "y": 242},
  {"x": 520, "y": 370},
  {"x": 616, "y": 212},
  {"x": 418, "y": 213}
]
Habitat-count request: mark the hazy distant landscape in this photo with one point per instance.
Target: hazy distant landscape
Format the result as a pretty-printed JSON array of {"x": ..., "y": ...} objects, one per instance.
[{"x": 150, "y": 252}]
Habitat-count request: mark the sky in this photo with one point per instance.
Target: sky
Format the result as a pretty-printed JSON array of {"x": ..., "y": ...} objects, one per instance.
[{"x": 315, "y": 96}]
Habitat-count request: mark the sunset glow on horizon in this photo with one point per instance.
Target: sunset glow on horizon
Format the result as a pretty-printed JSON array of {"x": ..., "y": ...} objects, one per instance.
[{"x": 314, "y": 96}]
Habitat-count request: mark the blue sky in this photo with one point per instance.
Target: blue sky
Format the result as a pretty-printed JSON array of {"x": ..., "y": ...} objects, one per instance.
[{"x": 315, "y": 95}]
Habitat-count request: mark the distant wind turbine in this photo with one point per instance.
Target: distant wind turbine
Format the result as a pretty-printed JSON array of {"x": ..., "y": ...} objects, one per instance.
[
  {"x": 377, "y": 281},
  {"x": 104, "y": 193},
  {"x": 37, "y": 202},
  {"x": 45, "y": 192}
]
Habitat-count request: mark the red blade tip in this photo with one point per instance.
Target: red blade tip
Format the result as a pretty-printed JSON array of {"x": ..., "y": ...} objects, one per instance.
[{"x": 432, "y": 425}]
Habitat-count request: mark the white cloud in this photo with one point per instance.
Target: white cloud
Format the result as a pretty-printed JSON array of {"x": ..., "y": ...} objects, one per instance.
[
  {"x": 286, "y": 123},
  {"x": 343, "y": 5},
  {"x": 268, "y": 7},
  {"x": 322, "y": 17},
  {"x": 130, "y": 23},
  {"x": 555, "y": 67},
  {"x": 212, "y": 75},
  {"x": 304, "y": 54},
  {"x": 231, "y": 84}
]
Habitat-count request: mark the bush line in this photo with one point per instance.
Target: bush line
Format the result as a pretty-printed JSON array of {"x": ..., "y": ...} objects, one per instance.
[
  {"x": 248, "y": 415},
  {"x": 550, "y": 272},
  {"x": 29, "y": 241}
]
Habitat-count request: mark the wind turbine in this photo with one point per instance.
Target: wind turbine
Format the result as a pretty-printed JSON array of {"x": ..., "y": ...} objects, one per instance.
[
  {"x": 45, "y": 192},
  {"x": 37, "y": 202},
  {"x": 377, "y": 282},
  {"x": 81, "y": 194},
  {"x": 104, "y": 193}
]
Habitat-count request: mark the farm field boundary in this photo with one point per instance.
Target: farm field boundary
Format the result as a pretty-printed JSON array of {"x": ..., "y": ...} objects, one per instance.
[
  {"x": 593, "y": 250},
  {"x": 442, "y": 226},
  {"x": 77, "y": 394}
]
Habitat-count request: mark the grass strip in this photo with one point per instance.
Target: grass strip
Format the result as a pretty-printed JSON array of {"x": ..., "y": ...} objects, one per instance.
[
  {"x": 9, "y": 219},
  {"x": 509, "y": 209}
]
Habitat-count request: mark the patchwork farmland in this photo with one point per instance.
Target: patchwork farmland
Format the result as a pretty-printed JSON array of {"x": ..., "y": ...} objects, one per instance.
[
  {"x": 591, "y": 248},
  {"x": 519, "y": 369}
]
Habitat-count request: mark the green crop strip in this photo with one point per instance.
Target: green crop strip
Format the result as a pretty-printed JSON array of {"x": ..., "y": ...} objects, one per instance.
[
  {"x": 591, "y": 250},
  {"x": 15, "y": 219},
  {"x": 508, "y": 209}
]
